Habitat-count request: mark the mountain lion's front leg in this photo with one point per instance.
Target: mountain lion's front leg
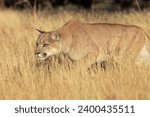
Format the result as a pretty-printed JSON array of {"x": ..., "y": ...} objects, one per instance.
[{"x": 88, "y": 60}]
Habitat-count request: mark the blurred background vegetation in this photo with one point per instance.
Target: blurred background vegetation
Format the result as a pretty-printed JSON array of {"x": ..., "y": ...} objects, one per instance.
[{"x": 110, "y": 5}]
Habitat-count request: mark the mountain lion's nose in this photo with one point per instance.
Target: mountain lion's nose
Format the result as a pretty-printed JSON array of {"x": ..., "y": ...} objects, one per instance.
[{"x": 36, "y": 53}]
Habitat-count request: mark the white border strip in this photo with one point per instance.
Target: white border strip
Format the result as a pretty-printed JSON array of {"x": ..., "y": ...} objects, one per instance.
[{"x": 68, "y": 108}]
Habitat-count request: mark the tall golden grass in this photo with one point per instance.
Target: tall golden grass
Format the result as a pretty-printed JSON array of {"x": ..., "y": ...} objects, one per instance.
[{"x": 21, "y": 79}]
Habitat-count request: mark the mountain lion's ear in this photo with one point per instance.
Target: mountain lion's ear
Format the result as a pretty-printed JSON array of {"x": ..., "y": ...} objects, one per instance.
[
  {"x": 55, "y": 36},
  {"x": 40, "y": 31}
]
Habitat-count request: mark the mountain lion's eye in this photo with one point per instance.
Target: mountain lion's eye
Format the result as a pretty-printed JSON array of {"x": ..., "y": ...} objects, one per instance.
[
  {"x": 45, "y": 45},
  {"x": 36, "y": 44}
]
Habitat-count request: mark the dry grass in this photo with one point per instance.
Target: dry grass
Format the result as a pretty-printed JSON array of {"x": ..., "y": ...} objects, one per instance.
[{"x": 21, "y": 79}]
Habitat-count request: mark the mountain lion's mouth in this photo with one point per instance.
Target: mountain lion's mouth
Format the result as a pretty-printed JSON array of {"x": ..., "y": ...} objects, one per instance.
[{"x": 41, "y": 57}]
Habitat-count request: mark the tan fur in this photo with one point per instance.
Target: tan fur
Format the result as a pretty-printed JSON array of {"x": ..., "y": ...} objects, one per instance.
[{"x": 99, "y": 41}]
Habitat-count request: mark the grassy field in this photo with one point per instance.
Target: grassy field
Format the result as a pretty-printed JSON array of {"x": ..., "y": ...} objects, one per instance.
[{"x": 21, "y": 79}]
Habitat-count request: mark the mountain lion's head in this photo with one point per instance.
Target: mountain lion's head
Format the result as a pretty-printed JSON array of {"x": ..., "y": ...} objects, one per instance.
[{"x": 48, "y": 43}]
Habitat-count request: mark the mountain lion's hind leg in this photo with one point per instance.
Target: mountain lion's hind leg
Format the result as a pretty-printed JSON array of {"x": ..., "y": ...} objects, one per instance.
[{"x": 143, "y": 57}]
